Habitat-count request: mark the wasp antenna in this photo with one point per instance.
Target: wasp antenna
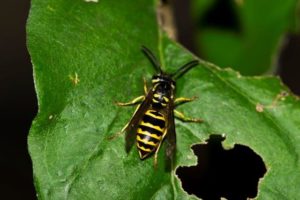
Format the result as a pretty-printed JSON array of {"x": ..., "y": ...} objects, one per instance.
[
  {"x": 152, "y": 59},
  {"x": 185, "y": 68}
]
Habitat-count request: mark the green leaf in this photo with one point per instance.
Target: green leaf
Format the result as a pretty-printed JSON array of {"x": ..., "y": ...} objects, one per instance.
[
  {"x": 254, "y": 45},
  {"x": 87, "y": 55}
]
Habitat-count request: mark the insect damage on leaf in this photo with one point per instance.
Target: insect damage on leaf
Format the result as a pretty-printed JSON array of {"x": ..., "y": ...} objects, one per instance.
[
  {"x": 279, "y": 97},
  {"x": 233, "y": 173}
]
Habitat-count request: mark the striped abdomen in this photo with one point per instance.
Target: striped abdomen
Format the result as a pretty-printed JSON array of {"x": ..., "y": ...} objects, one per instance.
[{"x": 150, "y": 132}]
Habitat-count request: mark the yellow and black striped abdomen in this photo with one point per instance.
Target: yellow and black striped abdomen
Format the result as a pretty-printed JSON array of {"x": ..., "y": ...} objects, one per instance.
[{"x": 150, "y": 132}]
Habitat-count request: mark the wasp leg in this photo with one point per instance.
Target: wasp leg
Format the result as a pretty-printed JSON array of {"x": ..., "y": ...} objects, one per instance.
[
  {"x": 145, "y": 85},
  {"x": 182, "y": 117},
  {"x": 157, "y": 150},
  {"x": 155, "y": 155},
  {"x": 118, "y": 133},
  {"x": 182, "y": 100},
  {"x": 133, "y": 102},
  {"x": 124, "y": 128},
  {"x": 115, "y": 135}
]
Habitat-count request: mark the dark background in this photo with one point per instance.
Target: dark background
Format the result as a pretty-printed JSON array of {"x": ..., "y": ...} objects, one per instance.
[{"x": 18, "y": 103}]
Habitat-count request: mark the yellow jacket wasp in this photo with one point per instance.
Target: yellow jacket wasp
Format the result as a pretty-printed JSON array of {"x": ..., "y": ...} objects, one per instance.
[{"x": 153, "y": 119}]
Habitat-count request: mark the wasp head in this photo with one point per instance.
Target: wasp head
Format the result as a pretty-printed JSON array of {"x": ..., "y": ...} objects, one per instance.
[{"x": 163, "y": 84}]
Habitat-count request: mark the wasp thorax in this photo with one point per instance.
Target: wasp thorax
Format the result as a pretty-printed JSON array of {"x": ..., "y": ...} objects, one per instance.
[{"x": 162, "y": 91}]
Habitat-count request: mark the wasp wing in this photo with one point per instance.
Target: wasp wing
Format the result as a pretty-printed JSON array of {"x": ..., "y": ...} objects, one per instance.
[
  {"x": 170, "y": 136},
  {"x": 130, "y": 130}
]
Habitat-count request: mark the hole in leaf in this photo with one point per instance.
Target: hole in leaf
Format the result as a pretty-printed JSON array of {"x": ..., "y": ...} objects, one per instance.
[
  {"x": 221, "y": 15},
  {"x": 233, "y": 173}
]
